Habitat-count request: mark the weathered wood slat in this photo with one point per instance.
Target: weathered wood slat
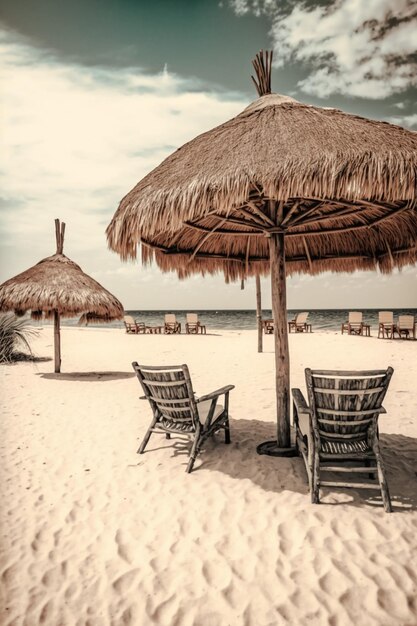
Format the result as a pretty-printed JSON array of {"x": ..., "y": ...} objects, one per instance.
[
  {"x": 157, "y": 383},
  {"x": 178, "y": 401},
  {"x": 344, "y": 373},
  {"x": 330, "y": 483},
  {"x": 330, "y": 435},
  {"x": 348, "y": 392},
  {"x": 354, "y": 412},
  {"x": 358, "y": 470},
  {"x": 175, "y": 409},
  {"x": 344, "y": 423}
]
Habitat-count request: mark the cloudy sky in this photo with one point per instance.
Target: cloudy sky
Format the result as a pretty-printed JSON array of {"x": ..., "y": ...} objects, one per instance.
[{"x": 95, "y": 93}]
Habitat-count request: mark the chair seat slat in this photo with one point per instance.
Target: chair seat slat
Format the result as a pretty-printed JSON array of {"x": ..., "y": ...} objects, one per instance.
[
  {"x": 340, "y": 423},
  {"x": 348, "y": 374},
  {"x": 178, "y": 401},
  {"x": 331, "y": 483},
  {"x": 165, "y": 383},
  {"x": 348, "y": 392},
  {"x": 355, "y": 470},
  {"x": 353, "y": 412},
  {"x": 170, "y": 409},
  {"x": 325, "y": 434}
]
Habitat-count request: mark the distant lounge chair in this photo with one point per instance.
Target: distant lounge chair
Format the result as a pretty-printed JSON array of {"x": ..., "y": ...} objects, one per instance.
[
  {"x": 268, "y": 326},
  {"x": 341, "y": 424},
  {"x": 386, "y": 324},
  {"x": 132, "y": 326},
  {"x": 176, "y": 410},
  {"x": 354, "y": 325},
  {"x": 299, "y": 323},
  {"x": 406, "y": 327},
  {"x": 193, "y": 326},
  {"x": 171, "y": 325}
]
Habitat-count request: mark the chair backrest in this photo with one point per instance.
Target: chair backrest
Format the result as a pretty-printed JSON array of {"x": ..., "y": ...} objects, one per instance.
[
  {"x": 301, "y": 318},
  {"x": 170, "y": 318},
  {"x": 406, "y": 322},
  {"x": 386, "y": 317},
  {"x": 129, "y": 320},
  {"x": 355, "y": 317},
  {"x": 192, "y": 318},
  {"x": 170, "y": 394},
  {"x": 345, "y": 405}
]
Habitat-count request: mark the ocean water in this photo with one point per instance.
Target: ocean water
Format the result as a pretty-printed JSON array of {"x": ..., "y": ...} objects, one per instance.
[{"x": 321, "y": 319}]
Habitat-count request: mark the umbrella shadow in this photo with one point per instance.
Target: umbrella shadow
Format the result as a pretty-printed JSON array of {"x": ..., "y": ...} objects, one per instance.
[
  {"x": 240, "y": 460},
  {"x": 88, "y": 376}
]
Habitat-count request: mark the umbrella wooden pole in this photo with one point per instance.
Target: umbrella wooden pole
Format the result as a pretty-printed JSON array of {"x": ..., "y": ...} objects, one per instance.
[
  {"x": 282, "y": 445},
  {"x": 282, "y": 358},
  {"x": 57, "y": 342},
  {"x": 259, "y": 311}
]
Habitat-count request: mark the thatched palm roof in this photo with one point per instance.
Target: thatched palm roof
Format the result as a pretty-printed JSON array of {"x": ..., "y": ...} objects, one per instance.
[
  {"x": 341, "y": 187},
  {"x": 58, "y": 284}
]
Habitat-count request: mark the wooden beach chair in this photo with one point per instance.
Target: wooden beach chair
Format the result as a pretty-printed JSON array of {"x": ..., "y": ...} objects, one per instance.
[
  {"x": 406, "y": 327},
  {"x": 132, "y": 326},
  {"x": 354, "y": 325},
  {"x": 176, "y": 410},
  {"x": 193, "y": 326},
  {"x": 299, "y": 323},
  {"x": 171, "y": 326},
  {"x": 386, "y": 324},
  {"x": 340, "y": 425},
  {"x": 268, "y": 326}
]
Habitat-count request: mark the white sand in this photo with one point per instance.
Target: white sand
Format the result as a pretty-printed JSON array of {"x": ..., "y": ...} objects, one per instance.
[{"x": 93, "y": 534}]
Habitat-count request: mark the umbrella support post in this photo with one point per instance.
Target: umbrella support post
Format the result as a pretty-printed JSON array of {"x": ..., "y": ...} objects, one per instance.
[
  {"x": 282, "y": 445},
  {"x": 259, "y": 312},
  {"x": 57, "y": 343}
]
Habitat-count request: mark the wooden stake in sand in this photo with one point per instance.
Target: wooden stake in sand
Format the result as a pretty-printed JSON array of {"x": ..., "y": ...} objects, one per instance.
[{"x": 59, "y": 233}]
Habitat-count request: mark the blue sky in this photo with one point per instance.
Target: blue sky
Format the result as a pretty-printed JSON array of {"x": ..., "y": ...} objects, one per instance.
[{"x": 96, "y": 93}]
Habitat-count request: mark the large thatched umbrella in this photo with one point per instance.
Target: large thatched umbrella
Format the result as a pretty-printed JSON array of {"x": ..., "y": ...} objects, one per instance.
[
  {"x": 283, "y": 187},
  {"x": 57, "y": 286}
]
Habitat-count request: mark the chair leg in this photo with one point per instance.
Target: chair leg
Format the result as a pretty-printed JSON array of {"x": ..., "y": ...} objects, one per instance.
[
  {"x": 193, "y": 453},
  {"x": 227, "y": 431},
  {"x": 368, "y": 464},
  {"x": 146, "y": 438},
  {"x": 315, "y": 489},
  {"x": 386, "y": 498}
]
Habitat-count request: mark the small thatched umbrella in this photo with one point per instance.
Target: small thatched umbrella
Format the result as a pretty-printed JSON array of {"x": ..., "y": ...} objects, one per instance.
[
  {"x": 57, "y": 286},
  {"x": 283, "y": 187}
]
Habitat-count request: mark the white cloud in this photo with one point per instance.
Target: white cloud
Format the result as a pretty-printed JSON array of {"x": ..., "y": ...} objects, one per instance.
[
  {"x": 409, "y": 121},
  {"x": 75, "y": 140},
  {"x": 353, "y": 47}
]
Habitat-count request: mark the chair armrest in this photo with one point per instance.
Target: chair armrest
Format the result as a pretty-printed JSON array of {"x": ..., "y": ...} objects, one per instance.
[
  {"x": 216, "y": 394},
  {"x": 299, "y": 401}
]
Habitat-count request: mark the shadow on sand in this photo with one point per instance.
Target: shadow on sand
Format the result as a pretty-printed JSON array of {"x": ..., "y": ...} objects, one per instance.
[
  {"x": 240, "y": 461},
  {"x": 88, "y": 376}
]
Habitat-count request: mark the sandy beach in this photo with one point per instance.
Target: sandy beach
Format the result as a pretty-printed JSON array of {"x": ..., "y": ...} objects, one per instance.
[{"x": 95, "y": 535}]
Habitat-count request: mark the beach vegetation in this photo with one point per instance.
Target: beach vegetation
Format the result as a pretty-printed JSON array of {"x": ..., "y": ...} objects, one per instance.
[{"x": 15, "y": 334}]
